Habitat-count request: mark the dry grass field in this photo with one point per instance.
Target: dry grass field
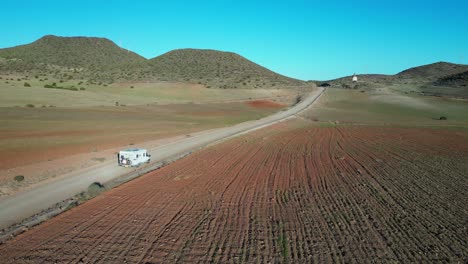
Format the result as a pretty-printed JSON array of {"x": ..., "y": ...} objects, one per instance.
[
  {"x": 13, "y": 93},
  {"x": 386, "y": 107}
]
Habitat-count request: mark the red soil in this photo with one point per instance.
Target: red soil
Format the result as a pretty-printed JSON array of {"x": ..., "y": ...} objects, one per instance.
[
  {"x": 264, "y": 104},
  {"x": 287, "y": 193}
]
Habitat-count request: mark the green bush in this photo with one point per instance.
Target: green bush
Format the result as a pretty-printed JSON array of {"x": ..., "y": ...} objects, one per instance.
[
  {"x": 30, "y": 105},
  {"x": 19, "y": 178},
  {"x": 27, "y": 84}
]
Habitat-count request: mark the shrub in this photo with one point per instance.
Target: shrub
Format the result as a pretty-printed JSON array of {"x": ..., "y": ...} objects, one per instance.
[
  {"x": 30, "y": 105},
  {"x": 82, "y": 88},
  {"x": 443, "y": 118},
  {"x": 27, "y": 84},
  {"x": 19, "y": 178},
  {"x": 298, "y": 99}
]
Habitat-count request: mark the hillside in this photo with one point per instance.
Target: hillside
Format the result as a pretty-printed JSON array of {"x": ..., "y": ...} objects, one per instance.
[
  {"x": 459, "y": 79},
  {"x": 215, "y": 69},
  {"x": 433, "y": 71},
  {"x": 72, "y": 52},
  {"x": 439, "y": 79},
  {"x": 99, "y": 60},
  {"x": 366, "y": 81}
]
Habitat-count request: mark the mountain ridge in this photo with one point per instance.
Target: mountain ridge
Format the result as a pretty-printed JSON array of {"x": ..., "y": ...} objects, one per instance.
[{"x": 101, "y": 60}]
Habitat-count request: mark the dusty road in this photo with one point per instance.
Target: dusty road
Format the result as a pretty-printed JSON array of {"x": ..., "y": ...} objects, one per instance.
[{"x": 17, "y": 207}]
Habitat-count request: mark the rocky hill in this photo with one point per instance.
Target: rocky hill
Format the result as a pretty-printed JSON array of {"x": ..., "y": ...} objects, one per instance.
[
  {"x": 215, "y": 69},
  {"x": 432, "y": 71},
  {"x": 439, "y": 79},
  {"x": 454, "y": 80},
  {"x": 72, "y": 52},
  {"x": 99, "y": 60}
]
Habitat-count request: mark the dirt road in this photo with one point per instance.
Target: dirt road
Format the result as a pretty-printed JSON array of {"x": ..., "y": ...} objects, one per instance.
[{"x": 17, "y": 207}]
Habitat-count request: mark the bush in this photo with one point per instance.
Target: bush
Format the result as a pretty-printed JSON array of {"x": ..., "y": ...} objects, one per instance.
[
  {"x": 27, "y": 84},
  {"x": 443, "y": 118},
  {"x": 19, "y": 178},
  {"x": 82, "y": 88},
  {"x": 30, "y": 105},
  {"x": 298, "y": 99}
]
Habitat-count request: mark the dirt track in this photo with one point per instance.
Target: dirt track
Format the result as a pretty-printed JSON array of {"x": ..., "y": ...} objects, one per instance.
[
  {"x": 22, "y": 205},
  {"x": 291, "y": 192}
]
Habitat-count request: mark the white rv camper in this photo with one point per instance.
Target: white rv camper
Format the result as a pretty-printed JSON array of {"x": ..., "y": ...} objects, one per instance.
[{"x": 133, "y": 157}]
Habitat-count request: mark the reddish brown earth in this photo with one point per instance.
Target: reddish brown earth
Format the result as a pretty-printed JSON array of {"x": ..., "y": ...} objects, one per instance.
[
  {"x": 291, "y": 192},
  {"x": 264, "y": 104},
  {"x": 44, "y": 144}
]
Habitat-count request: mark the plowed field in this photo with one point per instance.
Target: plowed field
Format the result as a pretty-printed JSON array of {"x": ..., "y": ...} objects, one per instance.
[{"x": 291, "y": 192}]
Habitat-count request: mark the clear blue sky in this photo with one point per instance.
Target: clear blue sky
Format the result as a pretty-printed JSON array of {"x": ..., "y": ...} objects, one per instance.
[{"x": 309, "y": 40}]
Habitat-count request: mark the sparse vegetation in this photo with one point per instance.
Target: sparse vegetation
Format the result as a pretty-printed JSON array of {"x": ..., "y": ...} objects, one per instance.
[
  {"x": 298, "y": 99},
  {"x": 99, "y": 159},
  {"x": 19, "y": 178}
]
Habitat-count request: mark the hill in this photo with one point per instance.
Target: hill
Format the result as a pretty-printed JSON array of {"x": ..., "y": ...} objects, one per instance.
[
  {"x": 99, "y": 60},
  {"x": 454, "y": 80},
  {"x": 215, "y": 69},
  {"x": 72, "y": 52},
  {"x": 439, "y": 79},
  {"x": 433, "y": 71}
]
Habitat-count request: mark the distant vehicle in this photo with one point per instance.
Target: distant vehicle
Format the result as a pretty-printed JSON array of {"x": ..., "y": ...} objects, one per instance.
[{"x": 133, "y": 157}]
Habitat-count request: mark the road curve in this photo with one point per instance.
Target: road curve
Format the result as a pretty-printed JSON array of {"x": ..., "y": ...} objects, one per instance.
[{"x": 15, "y": 208}]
